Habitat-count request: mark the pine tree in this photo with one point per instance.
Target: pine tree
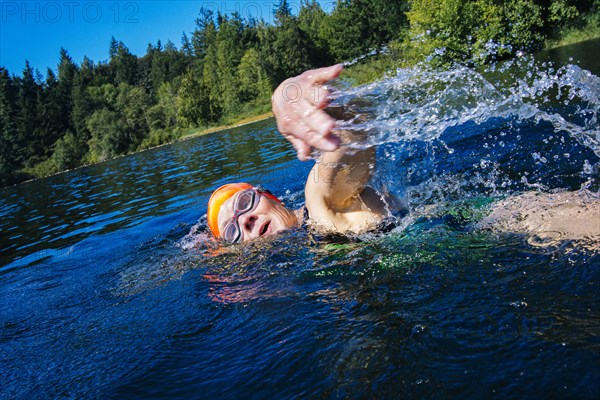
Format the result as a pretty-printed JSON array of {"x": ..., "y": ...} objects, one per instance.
[
  {"x": 51, "y": 121},
  {"x": 282, "y": 12},
  {"x": 255, "y": 86},
  {"x": 310, "y": 18},
  {"x": 66, "y": 75},
  {"x": 291, "y": 49},
  {"x": 113, "y": 48},
  {"x": 8, "y": 129},
  {"x": 27, "y": 118},
  {"x": 123, "y": 65},
  {"x": 211, "y": 82},
  {"x": 193, "y": 102},
  {"x": 229, "y": 53},
  {"x": 83, "y": 106},
  {"x": 201, "y": 37},
  {"x": 186, "y": 46}
]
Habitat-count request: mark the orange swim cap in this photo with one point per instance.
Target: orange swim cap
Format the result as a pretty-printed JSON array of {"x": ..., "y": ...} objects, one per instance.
[
  {"x": 221, "y": 195},
  {"x": 217, "y": 199}
]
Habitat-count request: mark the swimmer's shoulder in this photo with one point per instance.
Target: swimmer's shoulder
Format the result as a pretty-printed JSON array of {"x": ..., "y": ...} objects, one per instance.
[{"x": 364, "y": 212}]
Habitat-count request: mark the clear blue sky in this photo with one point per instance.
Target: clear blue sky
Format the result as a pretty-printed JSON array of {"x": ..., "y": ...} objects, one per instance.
[{"x": 36, "y": 30}]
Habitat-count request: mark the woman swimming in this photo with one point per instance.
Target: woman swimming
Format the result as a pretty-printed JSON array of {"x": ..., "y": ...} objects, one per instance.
[{"x": 338, "y": 198}]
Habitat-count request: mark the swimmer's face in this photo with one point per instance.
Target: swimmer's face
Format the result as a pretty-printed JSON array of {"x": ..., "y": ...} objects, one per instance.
[{"x": 265, "y": 218}]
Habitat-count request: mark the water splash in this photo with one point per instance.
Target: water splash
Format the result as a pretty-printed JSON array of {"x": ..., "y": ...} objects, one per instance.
[
  {"x": 421, "y": 104},
  {"x": 464, "y": 133},
  {"x": 374, "y": 52}
]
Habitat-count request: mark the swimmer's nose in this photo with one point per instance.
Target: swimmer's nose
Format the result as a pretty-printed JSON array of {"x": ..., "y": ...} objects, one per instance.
[{"x": 247, "y": 222}]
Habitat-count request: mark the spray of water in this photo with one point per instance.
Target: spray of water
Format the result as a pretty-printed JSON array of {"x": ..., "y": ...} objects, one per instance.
[
  {"x": 516, "y": 126},
  {"x": 421, "y": 104}
]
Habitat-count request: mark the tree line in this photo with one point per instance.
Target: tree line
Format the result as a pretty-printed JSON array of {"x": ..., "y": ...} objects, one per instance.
[{"x": 229, "y": 65}]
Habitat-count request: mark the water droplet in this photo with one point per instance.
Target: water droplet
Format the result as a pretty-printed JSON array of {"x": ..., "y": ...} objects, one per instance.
[
  {"x": 518, "y": 304},
  {"x": 417, "y": 329}
]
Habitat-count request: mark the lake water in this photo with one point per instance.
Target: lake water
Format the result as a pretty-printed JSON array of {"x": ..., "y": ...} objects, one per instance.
[{"x": 111, "y": 288}]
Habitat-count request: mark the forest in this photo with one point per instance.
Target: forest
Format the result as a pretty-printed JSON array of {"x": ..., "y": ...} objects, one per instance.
[{"x": 227, "y": 68}]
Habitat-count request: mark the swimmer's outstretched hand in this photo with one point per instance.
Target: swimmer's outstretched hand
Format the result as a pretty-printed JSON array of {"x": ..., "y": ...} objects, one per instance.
[{"x": 298, "y": 107}]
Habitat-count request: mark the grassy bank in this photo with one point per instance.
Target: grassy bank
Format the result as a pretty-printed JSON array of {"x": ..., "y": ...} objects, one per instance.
[
  {"x": 233, "y": 124},
  {"x": 589, "y": 30}
]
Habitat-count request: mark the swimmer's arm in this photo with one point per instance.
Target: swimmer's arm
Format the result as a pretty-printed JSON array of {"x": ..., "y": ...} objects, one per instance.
[{"x": 339, "y": 178}]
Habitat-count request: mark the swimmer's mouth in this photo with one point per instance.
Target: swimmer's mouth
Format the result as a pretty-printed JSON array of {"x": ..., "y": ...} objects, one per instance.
[{"x": 264, "y": 228}]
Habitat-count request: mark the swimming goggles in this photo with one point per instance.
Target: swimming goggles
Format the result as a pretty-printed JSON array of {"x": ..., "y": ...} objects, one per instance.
[{"x": 244, "y": 203}]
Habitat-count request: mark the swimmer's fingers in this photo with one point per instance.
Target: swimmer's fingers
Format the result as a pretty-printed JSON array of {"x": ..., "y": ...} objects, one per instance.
[
  {"x": 310, "y": 140},
  {"x": 318, "y": 95},
  {"x": 302, "y": 149},
  {"x": 297, "y": 105},
  {"x": 320, "y": 125},
  {"x": 322, "y": 75},
  {"x": 316, "y": 140},
  {"x": 314, "y": 130}
]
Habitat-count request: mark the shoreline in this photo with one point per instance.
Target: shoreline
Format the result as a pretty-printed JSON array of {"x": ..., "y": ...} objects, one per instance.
[
  {"x": 203, "y": 132},
  {"x": 215, "y": 129},
  {"x": 550, "y": 45}
]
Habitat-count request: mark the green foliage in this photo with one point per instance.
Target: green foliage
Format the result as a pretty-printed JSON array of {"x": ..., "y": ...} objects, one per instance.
[
  {"x": 193, "y": 102},
  {"x": 525, "y": 24},
  {"x": 109, "y": 135},
  {"x": 121, "y": 124},
  {"x": 27, "y": 118},
  {"x": 123, "y": 64},
  {"x": 40, "y": 170},
  {"x": 159, "y": 137},
  {"x": 68, "y": 152},
  {"x": 475, "y": 30},
  {"x": 8, "y": 161},
  {"x": 67, "y": 155},
  {"x": 228, "y": 56},
  {"x": 204, "y": 33},
  {"x": 341, "y": 33},
  {"x": 83, "y": 105},
  {"x": 167, "y": 94},
  {"x": 283, "y": 49},
  {"x": 370, "y": 70},
  {"x": 562, "y": 12},
  {"x": 587, "y": 27},
  {"x": 310, "y": 18},
  {"x": 358, "y": 26},
  {"x": 254, "y": 83}
]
